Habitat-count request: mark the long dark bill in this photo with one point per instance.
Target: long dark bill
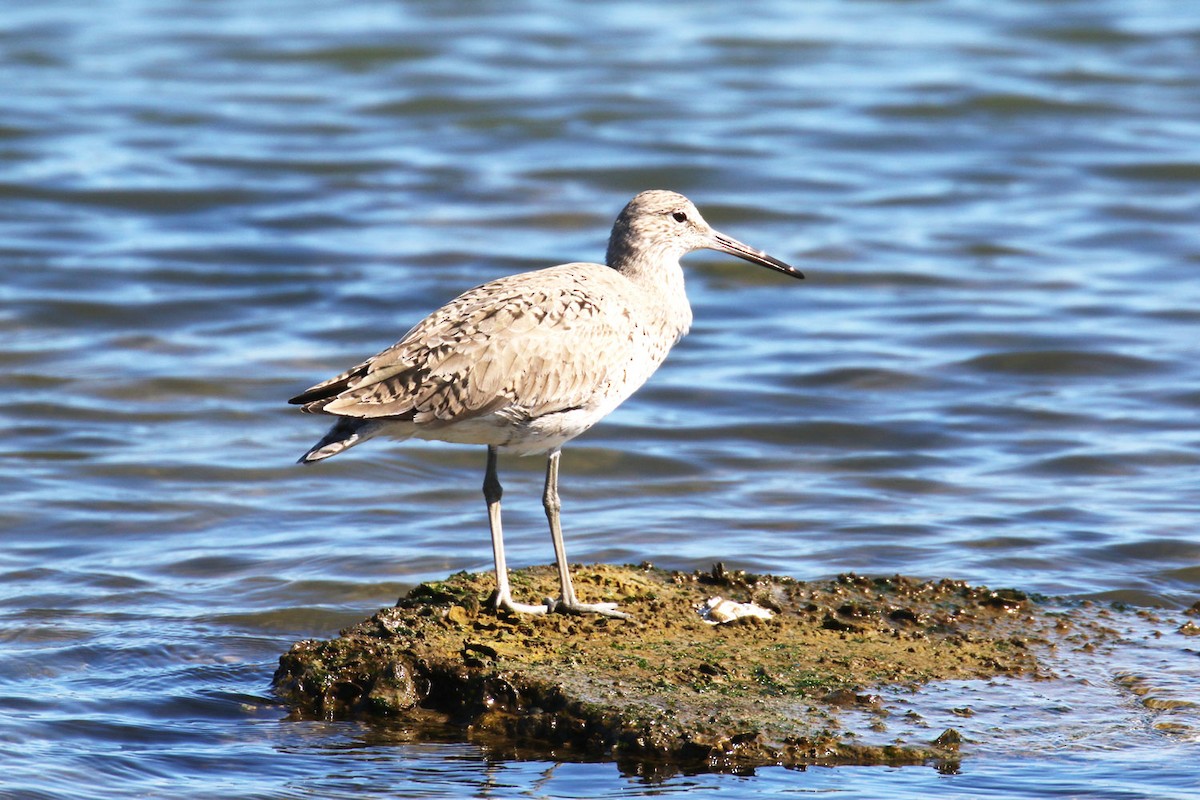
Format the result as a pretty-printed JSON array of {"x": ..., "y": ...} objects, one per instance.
[{"x": 732, "y": 246}]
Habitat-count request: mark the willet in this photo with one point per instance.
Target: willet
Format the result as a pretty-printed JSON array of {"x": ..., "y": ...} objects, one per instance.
[{"x": 526, "y": 363}]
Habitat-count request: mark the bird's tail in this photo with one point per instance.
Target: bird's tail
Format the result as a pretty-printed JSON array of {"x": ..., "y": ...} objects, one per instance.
[{"x": 346, "y": 432}]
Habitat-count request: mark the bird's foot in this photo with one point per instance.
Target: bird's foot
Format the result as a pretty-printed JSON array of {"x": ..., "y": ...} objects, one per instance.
[
  {"x": 502, "y": 602},
  {"x": 573, "y": 606}
]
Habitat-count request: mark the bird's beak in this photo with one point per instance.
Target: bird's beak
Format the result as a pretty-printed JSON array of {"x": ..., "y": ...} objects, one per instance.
[{"x": 727, "y": 244}]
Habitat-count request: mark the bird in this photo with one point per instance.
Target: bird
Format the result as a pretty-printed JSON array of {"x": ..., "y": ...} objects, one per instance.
[{"x": 526, "y": 363}]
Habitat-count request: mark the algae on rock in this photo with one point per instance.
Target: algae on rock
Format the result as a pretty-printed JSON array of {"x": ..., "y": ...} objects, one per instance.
[{"x": 666, "y": 687}]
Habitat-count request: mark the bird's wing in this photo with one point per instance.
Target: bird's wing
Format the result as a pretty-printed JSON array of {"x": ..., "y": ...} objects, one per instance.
[{"x": 527, "y": 345}]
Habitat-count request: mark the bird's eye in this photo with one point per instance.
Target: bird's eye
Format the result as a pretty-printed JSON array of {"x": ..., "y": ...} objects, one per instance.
[{"x": 679, "y": 216}]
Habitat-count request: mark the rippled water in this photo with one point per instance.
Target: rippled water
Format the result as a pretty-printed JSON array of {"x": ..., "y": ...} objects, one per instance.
[{"x": 991, "y": 373}]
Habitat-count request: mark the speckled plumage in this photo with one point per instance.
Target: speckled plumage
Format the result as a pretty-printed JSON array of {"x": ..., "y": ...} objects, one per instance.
[
  {"x": 512, "y": 363},
  {"x": 530, "y": 361}
]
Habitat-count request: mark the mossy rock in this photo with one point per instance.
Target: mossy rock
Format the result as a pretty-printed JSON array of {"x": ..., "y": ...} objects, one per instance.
[{"x": 667, "y": 688}]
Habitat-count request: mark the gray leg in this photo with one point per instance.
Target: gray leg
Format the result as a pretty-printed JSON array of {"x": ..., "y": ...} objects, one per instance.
[
  {"x": 567, "y": 602},
  {"x": 492, "y": 492}
]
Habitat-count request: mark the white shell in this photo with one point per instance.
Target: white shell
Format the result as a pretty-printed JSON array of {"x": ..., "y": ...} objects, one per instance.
[{"x": 718, "y": 611}]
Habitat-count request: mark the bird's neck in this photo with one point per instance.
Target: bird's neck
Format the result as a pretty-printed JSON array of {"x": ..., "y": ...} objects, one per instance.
[{"x": 659, "y": 277}]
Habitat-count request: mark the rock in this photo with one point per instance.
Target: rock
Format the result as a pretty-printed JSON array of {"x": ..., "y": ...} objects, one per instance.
[
  {"x": 949, "y": 738},
  {"x": 666, "y": 688}
]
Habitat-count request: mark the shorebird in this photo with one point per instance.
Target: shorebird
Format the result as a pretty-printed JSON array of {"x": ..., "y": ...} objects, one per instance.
[{"x": 528, "y": 362}]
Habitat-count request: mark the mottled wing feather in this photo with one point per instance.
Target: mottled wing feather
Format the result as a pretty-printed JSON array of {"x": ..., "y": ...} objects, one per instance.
[
  {"x": 327, "y": 389},
  {"x": 523, "y": 346}
]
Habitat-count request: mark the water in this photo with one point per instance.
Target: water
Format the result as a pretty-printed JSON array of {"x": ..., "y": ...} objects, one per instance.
[{"x": 991, "y": 373}]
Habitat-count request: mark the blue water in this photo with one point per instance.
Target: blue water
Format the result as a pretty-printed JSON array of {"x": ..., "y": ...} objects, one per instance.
[{"x": 990, "y": 374}]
